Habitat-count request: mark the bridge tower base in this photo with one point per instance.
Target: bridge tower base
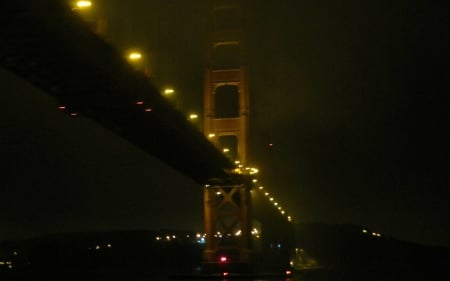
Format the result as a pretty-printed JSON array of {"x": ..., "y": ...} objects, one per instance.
[{"x": 227, "y": 228}]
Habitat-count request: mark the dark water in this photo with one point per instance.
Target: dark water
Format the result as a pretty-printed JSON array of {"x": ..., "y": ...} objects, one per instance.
[{"x": 354, "y": 274}]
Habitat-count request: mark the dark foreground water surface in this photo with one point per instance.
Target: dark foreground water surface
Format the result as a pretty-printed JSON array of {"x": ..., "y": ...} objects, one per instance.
[{"x": 366, "y": 274}]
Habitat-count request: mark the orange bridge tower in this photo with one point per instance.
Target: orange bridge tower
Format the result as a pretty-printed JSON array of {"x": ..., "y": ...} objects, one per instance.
[
  {"x": 226, "y": 98},
  {"x": 226, "y": 112}
]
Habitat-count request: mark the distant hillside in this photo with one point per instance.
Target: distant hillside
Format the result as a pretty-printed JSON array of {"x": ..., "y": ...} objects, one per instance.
[
  {"x": 107, "y": 255},
  {"x": 322, "y": 253},
  {"x": 348, "y": 252}
]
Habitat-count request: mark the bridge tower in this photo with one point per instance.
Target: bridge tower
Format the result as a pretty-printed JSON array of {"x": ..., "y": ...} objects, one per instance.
[
  {"x": 226, "y": 99},
  {"x": 226, "y": 112}
]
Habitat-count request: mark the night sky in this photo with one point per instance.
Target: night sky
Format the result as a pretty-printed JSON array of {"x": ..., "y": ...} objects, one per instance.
[{"x": 353, "y": 96}]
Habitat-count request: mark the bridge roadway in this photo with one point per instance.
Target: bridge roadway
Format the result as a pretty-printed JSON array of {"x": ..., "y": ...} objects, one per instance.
[{"x": 46, "y": 43}]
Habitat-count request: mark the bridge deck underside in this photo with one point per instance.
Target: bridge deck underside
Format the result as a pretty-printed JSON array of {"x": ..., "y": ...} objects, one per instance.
[{"x": 48, "y": 45}]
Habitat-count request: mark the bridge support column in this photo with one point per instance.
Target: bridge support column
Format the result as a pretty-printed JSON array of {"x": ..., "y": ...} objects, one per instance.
[{"x": 227, "y": 226}]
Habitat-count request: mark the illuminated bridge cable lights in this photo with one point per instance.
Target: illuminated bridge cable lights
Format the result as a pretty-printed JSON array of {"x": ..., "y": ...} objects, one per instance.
[
  {"x": 240, "y": 169},
  {"x": 270, "y": 198}
]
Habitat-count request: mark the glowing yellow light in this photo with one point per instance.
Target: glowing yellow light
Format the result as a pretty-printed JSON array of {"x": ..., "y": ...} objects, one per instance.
[
  {"x": 225, "y": 150},
  {"x": 261, "y": 187},
  {"x": 84, "y": 4},
  {"x": 254, "y": 180},
  {"x": 134, "y": 56},
  {"x": 271, "y": 199},
  {"x": 267, "y": 193},
  {"x": 289, "y": 218},
  {"x": 275, "y": 203},
  {"x": 193, "y": 116},
  {"x": 237, "y": 162},
  {"x": 252, "y": 170},
  {"x": 168, "y": 91},
  {"x": 364, "y": 231},
  {"x": 282, "y": 212},
  {"x": 211, "y": 135}
]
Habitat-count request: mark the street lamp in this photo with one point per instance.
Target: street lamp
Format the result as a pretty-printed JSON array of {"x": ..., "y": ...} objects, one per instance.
[
  {"x": 193, "y": 116},
  {"x": 138, "y": 60},
  {"x": 169, "y": 91},
  {"x": 83, "y": 4},
  {"x": 134, "y": 56}
]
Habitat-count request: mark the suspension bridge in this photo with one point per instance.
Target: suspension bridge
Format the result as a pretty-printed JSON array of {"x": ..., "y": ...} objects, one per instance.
[{"x": 48, "y": 45}]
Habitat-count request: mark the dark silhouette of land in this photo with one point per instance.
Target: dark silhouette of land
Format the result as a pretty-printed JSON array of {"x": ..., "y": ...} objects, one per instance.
[
  {"x": 338, "y": 252},
  {"x": 348, "y": 252}
]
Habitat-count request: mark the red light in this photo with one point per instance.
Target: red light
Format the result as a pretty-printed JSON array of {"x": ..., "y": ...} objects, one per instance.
[
  {"x": 139, "y": 102},
  {"x": 288, "y": 273},
  {"x": 270, "y": 144},
  {"x": 225, "y": 273},
  {"x": 148, "y": 109},
  {"x": 62, "y": 107},
  {"x": 73, "y": 114},
  {"x": 223, "y": 259}
]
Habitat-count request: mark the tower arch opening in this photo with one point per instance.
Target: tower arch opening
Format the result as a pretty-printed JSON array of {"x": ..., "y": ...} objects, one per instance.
[{"x": 226, "y": 101}]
